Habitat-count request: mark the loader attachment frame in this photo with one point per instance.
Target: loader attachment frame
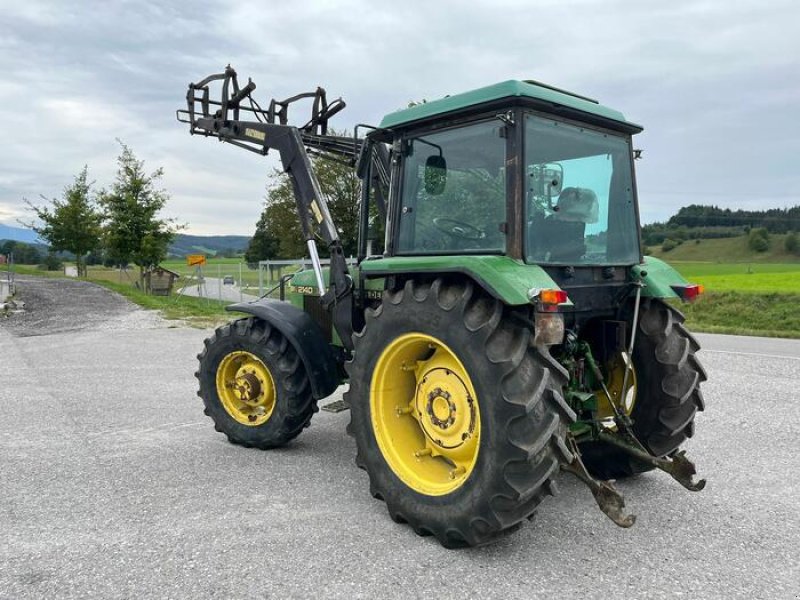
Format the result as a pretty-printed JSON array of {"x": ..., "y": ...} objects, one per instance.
[{"x": 270, "y": 130}]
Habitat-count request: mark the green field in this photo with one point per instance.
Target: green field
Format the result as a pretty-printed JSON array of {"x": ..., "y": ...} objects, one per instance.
[
  {"x": 742, "y": 277},
  {"x": 744, "y": 298}
]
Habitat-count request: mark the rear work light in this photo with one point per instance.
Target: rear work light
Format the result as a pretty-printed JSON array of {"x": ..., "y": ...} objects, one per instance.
[{"x": 689, "y": 292}]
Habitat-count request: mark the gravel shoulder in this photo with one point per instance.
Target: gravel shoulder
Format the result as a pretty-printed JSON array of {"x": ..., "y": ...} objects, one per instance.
[{"x": 67, "y": 305}]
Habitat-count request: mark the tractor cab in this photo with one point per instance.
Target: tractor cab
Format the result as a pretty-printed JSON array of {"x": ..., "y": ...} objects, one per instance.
[
  {"x": 518, "y": 169},
  {"x": 537, "y": 177}
]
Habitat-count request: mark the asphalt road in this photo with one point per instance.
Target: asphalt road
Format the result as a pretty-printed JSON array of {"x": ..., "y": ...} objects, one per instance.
[
  {"x": 114, "y": 485},
  {"x": 214, "y": 288}
]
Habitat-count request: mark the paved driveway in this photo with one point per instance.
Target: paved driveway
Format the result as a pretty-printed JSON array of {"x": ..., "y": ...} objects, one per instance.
[{"x": 114, "y": 485}]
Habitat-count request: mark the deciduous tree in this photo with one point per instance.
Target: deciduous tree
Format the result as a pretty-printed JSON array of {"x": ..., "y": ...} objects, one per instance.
[
  {"x": 73, "y": 223},
  {"x": 135, "y": 231}
]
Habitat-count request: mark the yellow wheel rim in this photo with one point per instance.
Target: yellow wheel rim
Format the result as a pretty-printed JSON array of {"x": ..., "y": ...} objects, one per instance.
[
  {"x": 245, "y": 388},
  {"x": 425, "y": 414},
  {"x": 625, "y": 402}
]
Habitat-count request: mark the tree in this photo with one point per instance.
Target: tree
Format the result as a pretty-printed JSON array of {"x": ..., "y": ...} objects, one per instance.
[
  {"x": 278, "y": 233},
  {"x": 264, "y": 244},
  {"x": 758, "y": 239},
  {"x": 135, "y": 233},
  {"x": 22, "y": 253},
  {"x": 792, "y": 243},
  {"x": 72, "y": 224}
]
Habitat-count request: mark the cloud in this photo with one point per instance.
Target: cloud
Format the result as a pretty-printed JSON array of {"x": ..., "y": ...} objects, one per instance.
[{"x": 712, "y": 83}]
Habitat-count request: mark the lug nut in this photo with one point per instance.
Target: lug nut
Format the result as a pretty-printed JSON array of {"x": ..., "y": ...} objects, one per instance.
[{"x": 457, "y": 472}]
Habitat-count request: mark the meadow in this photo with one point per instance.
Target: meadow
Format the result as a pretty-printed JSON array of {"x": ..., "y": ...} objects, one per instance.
[
  {"x": 744, "y": 298},
  {"x": 742, "y": 277}
]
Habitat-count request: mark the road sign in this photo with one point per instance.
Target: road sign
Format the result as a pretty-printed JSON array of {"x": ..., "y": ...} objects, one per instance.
[{"x": 195, "y": 260}]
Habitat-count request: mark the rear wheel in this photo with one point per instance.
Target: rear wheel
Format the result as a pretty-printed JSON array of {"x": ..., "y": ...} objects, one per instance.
[
  {"x": 254, "y": 385},
  {"x": 665, "y": 396},
  {"x": 459, "y": 421}
]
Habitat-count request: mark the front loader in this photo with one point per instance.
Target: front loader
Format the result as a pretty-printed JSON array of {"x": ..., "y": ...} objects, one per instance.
[{"x": 506, "y": 328}]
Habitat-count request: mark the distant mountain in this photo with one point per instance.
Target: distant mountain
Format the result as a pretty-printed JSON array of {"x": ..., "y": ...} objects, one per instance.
[
  {"x": 207, "y": 244},
  {"x": 183, "y": 244},
  {"x": 19, "y": 234}
]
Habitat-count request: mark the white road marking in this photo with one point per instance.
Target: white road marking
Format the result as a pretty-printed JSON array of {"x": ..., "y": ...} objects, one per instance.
[{"x": 786, "y": 356}]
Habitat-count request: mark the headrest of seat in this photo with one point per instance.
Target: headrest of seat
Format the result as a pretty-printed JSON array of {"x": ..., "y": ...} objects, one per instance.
[{"x": 577, "y": 205}]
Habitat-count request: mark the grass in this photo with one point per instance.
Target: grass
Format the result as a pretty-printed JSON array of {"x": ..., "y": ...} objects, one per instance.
[
  {"x": 200, "y": 312},
  {"x": 742, "y": 313},
  {"x": 753, "y": 278},
  {"x": 744, "y": 298}
]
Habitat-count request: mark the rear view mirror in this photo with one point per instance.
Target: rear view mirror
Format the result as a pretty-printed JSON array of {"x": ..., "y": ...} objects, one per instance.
[{"x": 435, "y": 175}]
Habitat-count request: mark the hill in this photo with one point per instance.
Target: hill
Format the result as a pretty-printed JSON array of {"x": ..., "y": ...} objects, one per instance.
[
  {"x": 208, "y": 244},
  {"x": 18, "y": 234},
  {"x": 730, "y": 249},
  {"x": 184, "y": 244}
]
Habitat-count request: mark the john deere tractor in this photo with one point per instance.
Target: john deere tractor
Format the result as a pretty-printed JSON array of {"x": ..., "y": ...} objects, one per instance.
[{"x": 499, "y": 325}]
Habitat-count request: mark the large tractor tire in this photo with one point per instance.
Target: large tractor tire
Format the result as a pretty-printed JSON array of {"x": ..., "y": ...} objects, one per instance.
[
  {"x": 458, "y": 419},
  {"x": 254, "y": 385},
  {"x": 667, "y": 392}
]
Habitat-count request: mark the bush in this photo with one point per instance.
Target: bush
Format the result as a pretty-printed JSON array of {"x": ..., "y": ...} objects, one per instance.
[
  {"x": 51, "y": 263},
  {"x": 669, "y": 244},
  {"x": 792, "y": 243},
  {"x": 758, "y": 239}
]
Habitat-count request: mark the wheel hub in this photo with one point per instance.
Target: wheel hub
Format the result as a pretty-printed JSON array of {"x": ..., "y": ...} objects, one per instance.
[
  {"x": 624, "y": 401},
  {"x": 443, "y": 406},
  {"x": 245, "y": 388},
  {"x": 440, "y": 409}
]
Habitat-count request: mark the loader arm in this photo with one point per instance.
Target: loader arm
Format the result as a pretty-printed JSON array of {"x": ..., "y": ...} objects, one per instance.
[{"x": 269, "y": 130}]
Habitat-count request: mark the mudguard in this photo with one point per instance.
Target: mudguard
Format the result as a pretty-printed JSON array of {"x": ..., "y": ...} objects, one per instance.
[
  {"x": 659, "y": 278},
  {"x": 305, "y": 336}
]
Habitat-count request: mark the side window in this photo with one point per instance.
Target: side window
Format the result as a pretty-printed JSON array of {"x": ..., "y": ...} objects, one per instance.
[
  {"x": 372, "y": 228},
  {"x": 453, "y": 198},
  {"x": 376, "y": 222}
]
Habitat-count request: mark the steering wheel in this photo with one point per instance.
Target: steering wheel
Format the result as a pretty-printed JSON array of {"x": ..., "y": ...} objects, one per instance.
[{"x": 458, "y": 229}]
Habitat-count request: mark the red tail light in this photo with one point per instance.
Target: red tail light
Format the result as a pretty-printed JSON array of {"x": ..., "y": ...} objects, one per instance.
[
  {"x": 689, "y": 292},
  {"x": 552, "y": 296}
]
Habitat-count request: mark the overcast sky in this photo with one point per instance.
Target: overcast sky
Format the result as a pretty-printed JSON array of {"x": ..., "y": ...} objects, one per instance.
[{"x": 715, "y": 84}]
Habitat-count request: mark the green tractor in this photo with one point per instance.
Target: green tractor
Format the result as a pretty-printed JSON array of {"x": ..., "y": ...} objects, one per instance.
[{"x": 499, "y": 325}]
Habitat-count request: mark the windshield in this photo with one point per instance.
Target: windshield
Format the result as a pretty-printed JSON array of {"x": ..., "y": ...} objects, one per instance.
[
  {"x": 580, "y": 202},
  {"x": 453, "y": 198}
]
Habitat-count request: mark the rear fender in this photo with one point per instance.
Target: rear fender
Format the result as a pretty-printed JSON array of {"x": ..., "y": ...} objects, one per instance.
[
  {"x": 304, "y": 335},
  {"x": 658, "y": 278}
]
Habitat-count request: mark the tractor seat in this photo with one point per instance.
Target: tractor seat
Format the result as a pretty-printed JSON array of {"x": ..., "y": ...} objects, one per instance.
[{"x": 566, "y": 227}]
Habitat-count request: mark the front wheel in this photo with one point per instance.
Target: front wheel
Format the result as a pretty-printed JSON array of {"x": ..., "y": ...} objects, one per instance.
[
  {"x": 254, "y": 385},
  {"x": 458, "y": 420}
]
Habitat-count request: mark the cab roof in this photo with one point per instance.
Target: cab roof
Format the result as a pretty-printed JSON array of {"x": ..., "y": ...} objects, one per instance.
[{"x": 543, "y": 95}]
